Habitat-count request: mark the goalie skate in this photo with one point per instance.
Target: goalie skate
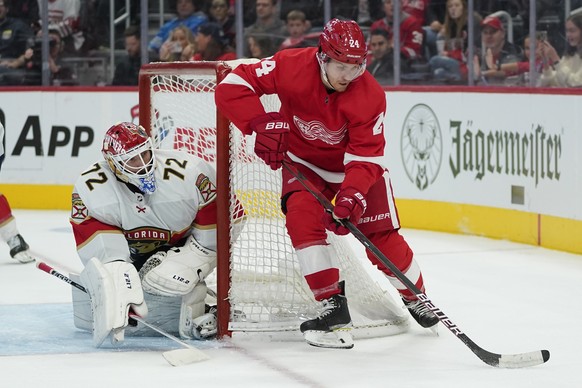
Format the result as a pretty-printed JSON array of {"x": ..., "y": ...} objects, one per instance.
[
  {"x": 332, "y": 328},
  {"x": 204, "y": 326}
]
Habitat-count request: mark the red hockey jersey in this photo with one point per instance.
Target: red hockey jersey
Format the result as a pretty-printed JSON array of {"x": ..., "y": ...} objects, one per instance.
[{"x": 331, "y": 132}]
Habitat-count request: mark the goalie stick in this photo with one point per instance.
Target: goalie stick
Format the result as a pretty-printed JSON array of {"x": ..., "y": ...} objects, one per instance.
[
  {"x": 177, "y": 357},
  {"x": 520, "y": 360}
]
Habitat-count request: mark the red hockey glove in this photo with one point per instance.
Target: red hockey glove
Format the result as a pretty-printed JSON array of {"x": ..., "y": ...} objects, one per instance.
[
  {"x": 272, "y": 138},
  {"x": 350, "y": 204}
]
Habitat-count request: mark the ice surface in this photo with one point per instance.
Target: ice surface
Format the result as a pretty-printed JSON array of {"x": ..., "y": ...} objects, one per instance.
[{"x": 507, "y": 297}]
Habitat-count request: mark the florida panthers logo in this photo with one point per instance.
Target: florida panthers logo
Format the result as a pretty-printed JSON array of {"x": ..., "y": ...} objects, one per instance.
[{"x": 312, "y": 130}]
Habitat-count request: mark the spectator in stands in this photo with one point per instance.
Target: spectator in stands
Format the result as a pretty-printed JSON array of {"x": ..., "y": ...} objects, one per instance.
[
  {"x": 565, "y": 71},
  {"x": 451, "y": 61},
  {"x": 180, "y": 37},
  {"x": 260, "y": 46},
  {"x": 382, "y": 66},
  {"x": 127, "y": 70},
  {"x": 518, "y": 72},
  {"x": 297, "y": 25},
  {"x": 219, "y": 13},
  {"x": 411, "y": 34},
  {"x": 212, "y": 44},
  {"x": 496, "y": 50},
  {"x": 267, "y": 24},
  {"x": 434, "y": 19},
  {"x": 27, "y": 68},
  {"x": 59, "y": 74},
  {"x": 15, "y": 35},
  {"x": 63, "y": 16},
  {"x": 189, "y": 14},
  {"x": 14, "y": 71}
]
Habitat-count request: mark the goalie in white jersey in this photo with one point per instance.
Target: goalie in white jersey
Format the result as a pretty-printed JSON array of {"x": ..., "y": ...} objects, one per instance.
[{"x": 144, "y": 222}]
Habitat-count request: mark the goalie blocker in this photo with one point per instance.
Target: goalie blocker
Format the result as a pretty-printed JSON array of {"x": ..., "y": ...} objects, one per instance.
[{"x": 174, "y": 287}]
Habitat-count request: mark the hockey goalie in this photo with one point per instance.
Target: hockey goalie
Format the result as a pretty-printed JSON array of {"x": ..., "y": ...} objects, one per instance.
[{"x": 144, "y": 223}]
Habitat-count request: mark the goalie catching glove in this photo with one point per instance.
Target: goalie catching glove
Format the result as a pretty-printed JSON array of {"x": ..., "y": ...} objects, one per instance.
[
  {"x": 350, "y": 204},
  {"x": 272, "y": 142},
  {"x": 114, "y": 288}
]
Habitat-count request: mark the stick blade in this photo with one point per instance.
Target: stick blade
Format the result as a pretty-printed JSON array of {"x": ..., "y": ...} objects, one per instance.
[
  {"x": 524, "y": 360},
  {"x": 185, "y": 356}
]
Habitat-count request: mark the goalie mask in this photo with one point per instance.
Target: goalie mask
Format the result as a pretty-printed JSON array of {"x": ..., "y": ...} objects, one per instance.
[
  {"x": 344, "y": 42},
  {"x": 130, "y": 154}
]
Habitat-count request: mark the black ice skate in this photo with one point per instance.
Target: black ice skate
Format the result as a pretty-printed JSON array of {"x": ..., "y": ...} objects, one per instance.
[
  {"x": 19, "y": 249},
  {"x": 331, "y": 329},
  {"x": 421, "y": 313}
]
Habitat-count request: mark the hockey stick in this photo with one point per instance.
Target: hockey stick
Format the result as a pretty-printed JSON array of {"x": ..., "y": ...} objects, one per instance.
[
  {"x": 497, "y": 360},
  {"x": 176, "y": 357}
]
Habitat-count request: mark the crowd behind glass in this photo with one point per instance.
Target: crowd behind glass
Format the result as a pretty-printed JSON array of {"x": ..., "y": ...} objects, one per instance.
[{"x": 438, "y": 42}]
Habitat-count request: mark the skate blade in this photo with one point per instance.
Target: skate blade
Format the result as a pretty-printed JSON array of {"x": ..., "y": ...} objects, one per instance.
[
  {"x": 435, "y": 329},
  {"x": 337, "y": 339}
]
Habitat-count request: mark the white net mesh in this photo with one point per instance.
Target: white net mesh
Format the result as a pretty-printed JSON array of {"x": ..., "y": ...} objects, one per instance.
[{"x": 267, "y": 291}]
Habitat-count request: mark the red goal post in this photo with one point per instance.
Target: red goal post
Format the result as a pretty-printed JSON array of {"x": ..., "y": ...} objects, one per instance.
[{"x": 258, "y": 281}]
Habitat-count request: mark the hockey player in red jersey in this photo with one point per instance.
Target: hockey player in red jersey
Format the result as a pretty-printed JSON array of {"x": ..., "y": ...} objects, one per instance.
[
  {"x": 19, "y": 249},
  {"x": 145, "y": 226},
  {"x": 331, "y": 126}
]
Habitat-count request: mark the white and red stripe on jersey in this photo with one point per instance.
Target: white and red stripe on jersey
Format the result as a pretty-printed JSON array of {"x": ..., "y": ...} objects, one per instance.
[
  {"x": 334, "y": 133},
  {"x": 62, "y": 10},
  {"x": 112, "y": 221}
]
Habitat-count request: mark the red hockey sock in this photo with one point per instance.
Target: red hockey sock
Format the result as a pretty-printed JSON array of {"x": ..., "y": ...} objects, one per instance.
[
  {"x": 5, "y": 211},
  {"x": 324, "y": 283}
]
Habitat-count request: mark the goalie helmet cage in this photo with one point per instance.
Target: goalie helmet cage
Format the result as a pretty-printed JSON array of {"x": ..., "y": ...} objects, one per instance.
[{"x": 259, "y": 284}]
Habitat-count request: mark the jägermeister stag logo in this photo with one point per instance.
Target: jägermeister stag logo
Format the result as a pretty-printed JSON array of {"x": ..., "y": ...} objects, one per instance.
[{"x": 421, "y": 146}]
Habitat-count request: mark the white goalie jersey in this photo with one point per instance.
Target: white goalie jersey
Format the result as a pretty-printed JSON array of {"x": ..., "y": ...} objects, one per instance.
[{"x": 112, "y": 220}]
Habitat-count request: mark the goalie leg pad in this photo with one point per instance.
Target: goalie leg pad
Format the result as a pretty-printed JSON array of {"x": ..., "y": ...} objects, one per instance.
[
  {"x": 176, "y": 272},
  {"x": 114, "y": 288},
  {"x": 82, "y": 315}
]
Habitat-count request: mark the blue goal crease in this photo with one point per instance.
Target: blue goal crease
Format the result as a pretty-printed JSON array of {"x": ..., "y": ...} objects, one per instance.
[{"x": 36, "y": 329}]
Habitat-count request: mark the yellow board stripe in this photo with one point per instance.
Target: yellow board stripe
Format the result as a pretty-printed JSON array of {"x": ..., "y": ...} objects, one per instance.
[
  {"x": 44, "y": 197},
  {"x": 523, "y": 227}
]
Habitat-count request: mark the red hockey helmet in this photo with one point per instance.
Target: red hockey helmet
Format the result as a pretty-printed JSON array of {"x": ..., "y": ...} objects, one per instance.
[
  {"x": 128, "y": 150},
  {"x": 344, "y": 41}
]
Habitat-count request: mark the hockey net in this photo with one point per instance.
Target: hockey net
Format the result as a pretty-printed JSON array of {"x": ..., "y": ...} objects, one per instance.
[{"x": 259, "y": 284}]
